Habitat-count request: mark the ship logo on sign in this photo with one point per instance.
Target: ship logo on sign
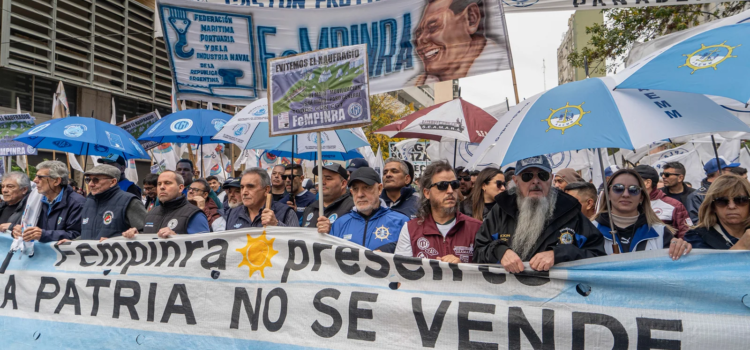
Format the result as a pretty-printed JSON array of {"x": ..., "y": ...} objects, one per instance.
[
  {"x": 708, "y": 56},
  {"x": 565, "y": 117}
]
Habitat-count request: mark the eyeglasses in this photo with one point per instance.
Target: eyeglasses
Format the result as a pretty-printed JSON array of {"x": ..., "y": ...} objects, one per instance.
[
  {"x": 193, "y": 189},
  {"x": 465, "y": 178},
  {"x": 285, "y": 177},
  {"x": 443, "y": 185},
  {"x": 542, "y": 175},
  {"x": 93, "y": 180},
  {"x": 669, "y": 174},
  {"x": 619, "y": 189},
  {"x": 740, "y": 201},
  {"x": 500, "y": 184}
]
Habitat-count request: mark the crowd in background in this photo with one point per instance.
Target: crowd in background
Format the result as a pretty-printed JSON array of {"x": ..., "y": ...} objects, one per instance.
[{"x": 528, "y": 213}]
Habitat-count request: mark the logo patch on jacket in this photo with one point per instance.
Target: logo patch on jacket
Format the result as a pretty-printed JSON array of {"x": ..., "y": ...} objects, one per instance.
[
  {"x": 85, "y": 221},
  {"x": 566, "y": 236},
  {"x": 309, "y": 216},
  {"x": 59, "y": 220},
  {"x": 237, "y": 225},
  {"x": 333, "y": 217},
  {"x": 423, "y": 243},
  {"x": 107, "y": 218},
  {"x": 172, "y": 224},
  {"x": 382, "y": 233}
]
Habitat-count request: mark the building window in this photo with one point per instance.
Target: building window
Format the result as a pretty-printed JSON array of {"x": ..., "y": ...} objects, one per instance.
[{"x": 14, "y": 85}]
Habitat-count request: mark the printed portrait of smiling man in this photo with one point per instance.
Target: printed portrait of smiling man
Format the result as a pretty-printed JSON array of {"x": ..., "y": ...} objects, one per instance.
[{"x": 450, "y": 40}]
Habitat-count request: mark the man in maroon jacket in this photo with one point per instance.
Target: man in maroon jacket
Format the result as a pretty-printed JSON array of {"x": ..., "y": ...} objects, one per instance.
[
  {"x": 439, "y": 231},
  {"x": 668, "y": 209}
]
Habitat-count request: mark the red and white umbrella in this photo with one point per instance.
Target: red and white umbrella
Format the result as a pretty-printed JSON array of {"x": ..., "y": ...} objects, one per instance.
[{"x": 455, "y": 120}]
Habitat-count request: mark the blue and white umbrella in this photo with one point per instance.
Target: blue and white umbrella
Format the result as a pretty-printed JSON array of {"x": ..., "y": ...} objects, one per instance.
[
  {"x": 83, "y": 136},
  {"x": 589, "y": 114},
  {"x": 711, "y": 59},
  {"x": 248, "y": 129},
  {"x": 196, "y": 126}
]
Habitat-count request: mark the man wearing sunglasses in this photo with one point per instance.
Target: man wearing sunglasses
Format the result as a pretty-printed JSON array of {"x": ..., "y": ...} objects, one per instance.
[
  {"x": 713, "y": 171},
  {"x": 370, "y": 223},
  {"x": 466, "y": 180},
  {"x": 440, "y": 231},
  {"x": 121, "y": 164},
  {"x": 397, "y": 192},
  {"x": 673, "y": 176},
  {"x": 669, "y": 210},
  {"x": 302, "y": 197},
  {"x": 60, "y": 214},
  {"x": 536, "y": 223},
  {"x": 109, "y": 211}
]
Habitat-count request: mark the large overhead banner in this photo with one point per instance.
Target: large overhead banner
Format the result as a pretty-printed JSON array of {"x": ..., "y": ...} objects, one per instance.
[
  {"x": 294, "y": 288},
  {"x": 218, "y": 52}
]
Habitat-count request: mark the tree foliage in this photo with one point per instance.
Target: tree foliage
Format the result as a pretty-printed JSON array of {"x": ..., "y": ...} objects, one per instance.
[
  {"x": 611, "y": 42},
  {"x": 384, "y": 109}
]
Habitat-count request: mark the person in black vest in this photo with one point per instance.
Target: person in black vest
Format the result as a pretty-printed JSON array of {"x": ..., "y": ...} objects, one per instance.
[
  {"x": 109, "y": 211},
  {"x": 256, "y": 184},
  {"x": 336, "y": 199},
  {"x": 120, "y": 163},
  {"x": 16, "y": 187},
  {"x": 173, "y": 215}
]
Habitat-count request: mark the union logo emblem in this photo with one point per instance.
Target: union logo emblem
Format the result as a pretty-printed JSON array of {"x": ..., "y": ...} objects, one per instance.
[
  {"x": 565, "y": 117},
  {"x": 709, "y": 56}
]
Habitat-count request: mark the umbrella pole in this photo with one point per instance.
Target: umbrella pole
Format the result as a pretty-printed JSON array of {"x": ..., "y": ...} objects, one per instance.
[
  {"x": 200, "y": 146},
  {"x": 231, "y": 152},
  {"x": 291, "y": 195},
  {"x": 27, "y": 164},
  {"x": 320, "y": 173},
  {"x": 455, "y": 149},
  {"x": 612, "y": 230},
  {"x": 85, "y": 160},
  {"x": 716, "y": 153}
]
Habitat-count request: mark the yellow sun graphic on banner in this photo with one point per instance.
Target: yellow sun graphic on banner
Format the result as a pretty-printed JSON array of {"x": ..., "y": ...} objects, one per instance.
[{"x": 257, "y": 254}]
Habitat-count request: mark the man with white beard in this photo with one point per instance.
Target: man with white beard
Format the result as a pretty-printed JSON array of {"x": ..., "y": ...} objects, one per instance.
[{"x": 536, "y": 223}]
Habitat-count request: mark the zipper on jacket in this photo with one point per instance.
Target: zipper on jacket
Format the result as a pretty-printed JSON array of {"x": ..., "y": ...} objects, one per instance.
[{"x": 364, "y": 234}]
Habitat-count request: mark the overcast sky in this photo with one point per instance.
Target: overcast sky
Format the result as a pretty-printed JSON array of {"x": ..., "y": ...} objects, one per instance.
[{"x": 533, "y": 37}]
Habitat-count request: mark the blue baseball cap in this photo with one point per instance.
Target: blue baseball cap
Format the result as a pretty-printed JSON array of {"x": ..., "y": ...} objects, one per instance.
[
  {"x": 710, "y": 166},
  {"x": 357, "y": 163},
  {"x": 608, "y": 171},
  {"x": 112, "y": 158},
  {"x": 540, "y": 162}
]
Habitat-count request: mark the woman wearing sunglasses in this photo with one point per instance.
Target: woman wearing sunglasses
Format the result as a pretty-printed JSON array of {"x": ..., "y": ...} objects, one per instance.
[
  {"x": 724, "y": 216},
  {"x": 489, "y": 183},
  {"x": 638, "y": 228}
]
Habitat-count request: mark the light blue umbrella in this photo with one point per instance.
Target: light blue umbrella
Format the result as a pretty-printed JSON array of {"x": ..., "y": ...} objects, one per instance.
[
  {"x": 83, "y": 136},
  {"x": 589, "y": 114},
  {"x": 189, "y": 126},
  {"x": 711, "y": 59}
]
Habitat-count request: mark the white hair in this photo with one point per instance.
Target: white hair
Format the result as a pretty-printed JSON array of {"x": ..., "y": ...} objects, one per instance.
[{"x": 533, "y": 215}]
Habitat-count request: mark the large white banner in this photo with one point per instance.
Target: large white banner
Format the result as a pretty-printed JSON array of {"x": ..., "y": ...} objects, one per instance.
[
  {"x": 295, "y": 288},
  {"x": 218, "y": 53}
]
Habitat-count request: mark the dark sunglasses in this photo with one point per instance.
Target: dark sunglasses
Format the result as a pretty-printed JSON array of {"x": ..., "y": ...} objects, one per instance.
[
  {"x": 740, "y": 201},
  {"x": 500, "y": 184},
  {"x": 619, "y": 189},
  {"x": 285, "y": 177},
  {"x": 465, "y": 178},
  {"x": 542, "y": 175},
  {"x": 443, "y": 185},
  {"x": 94, "y": 180},
  {"x": 669, "y": 174}
]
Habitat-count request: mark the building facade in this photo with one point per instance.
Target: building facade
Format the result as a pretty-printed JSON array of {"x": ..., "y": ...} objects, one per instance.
[{"x": 575, "y": 39}]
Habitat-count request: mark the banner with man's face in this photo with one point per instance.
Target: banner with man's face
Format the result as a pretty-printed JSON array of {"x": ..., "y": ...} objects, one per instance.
[{"x": 218, "y": 52}]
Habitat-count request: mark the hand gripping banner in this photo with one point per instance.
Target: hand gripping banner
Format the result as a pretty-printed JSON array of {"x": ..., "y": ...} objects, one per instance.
[{"x": 295, "y": 288}]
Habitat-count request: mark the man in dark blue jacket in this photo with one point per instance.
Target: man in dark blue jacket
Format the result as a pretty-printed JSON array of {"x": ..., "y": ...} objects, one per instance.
[
  {"x": 397, "y": 192},
  {"x": 120, "y": 163},
  {"x": 370, "y": 223},
  {"x": 60, "y": 216},
  {"x": 302, "y": 197}
]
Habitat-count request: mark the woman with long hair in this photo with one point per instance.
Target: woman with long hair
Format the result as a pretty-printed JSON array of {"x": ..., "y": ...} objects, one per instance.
[
  {"x": 724, "y": 216},
  {"x": 489, "y": 183},
  {"x": 637, "y": 226}
]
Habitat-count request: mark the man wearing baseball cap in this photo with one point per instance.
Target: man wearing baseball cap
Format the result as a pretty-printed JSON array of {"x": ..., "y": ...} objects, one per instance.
[
  {"x": 370, "y": 223},
  {"x": 109, "y": 211},
  {"x": 336, "y": 199},
  {"x": 120, "y": 163},
  {"x": 669, "y": 210},
  {"x": 536, "y": 223},
  {"x": 355, "y": 164},
  {"x": 713, "y": 171}
]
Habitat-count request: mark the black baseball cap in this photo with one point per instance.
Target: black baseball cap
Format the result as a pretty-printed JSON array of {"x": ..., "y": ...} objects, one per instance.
[
  {"x": 112, "y": 159},
  {"x": 365, "y": 174},
  {"x": 335, "y": 167},
  {"x": 232, "y": 183},
  {"x": 357, "y": 163}
]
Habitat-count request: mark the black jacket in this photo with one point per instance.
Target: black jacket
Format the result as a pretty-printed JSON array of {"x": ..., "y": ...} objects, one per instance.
[
  {"x": 704, "y": 238},
  {"x": 683, "y": 197},
  {"x": 335, "y": 210},
  {"x": 569, "y": 233},
  {"x": 15, "y": 218}
]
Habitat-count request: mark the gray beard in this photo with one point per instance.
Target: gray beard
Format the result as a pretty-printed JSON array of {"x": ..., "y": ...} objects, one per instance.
[
  {"x": 533, "y": 215},
  {"x": 233, "y": 205}
]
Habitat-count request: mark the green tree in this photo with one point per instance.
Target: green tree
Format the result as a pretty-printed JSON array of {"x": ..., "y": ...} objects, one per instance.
[
  {"x": 384, "y": 109},
  {"x": 611, "y": 42}
]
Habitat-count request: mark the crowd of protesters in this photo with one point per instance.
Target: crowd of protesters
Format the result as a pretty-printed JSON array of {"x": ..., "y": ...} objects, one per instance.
[{"x": 456, "y": 215}]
